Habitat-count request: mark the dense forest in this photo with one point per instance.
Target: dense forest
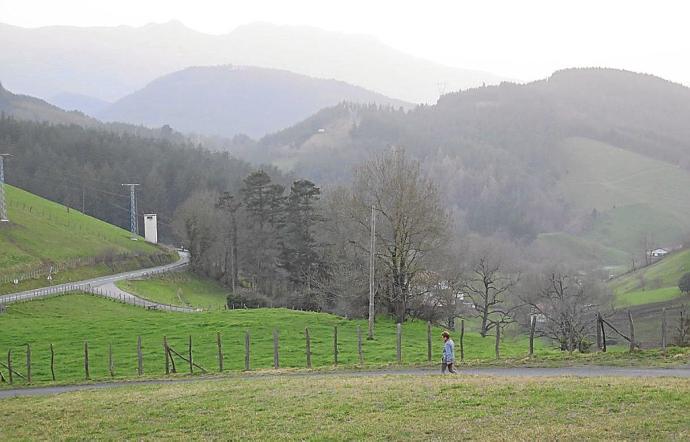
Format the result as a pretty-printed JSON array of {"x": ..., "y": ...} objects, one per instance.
[{"x": 84, "y": 168}]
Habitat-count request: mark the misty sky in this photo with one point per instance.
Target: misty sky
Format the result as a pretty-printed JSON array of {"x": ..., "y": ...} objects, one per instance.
[{"x": 524, "y": 40}]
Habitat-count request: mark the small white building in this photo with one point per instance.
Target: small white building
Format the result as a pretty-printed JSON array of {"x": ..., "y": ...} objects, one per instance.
[
  {"x": 658, "y": 253},
  {"x": 151, "y": 227}
]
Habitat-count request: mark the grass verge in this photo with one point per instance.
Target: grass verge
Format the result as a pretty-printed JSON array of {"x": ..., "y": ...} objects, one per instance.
[
  {"x": 182, "y": 289},
  {"x": 396, "y": 407}
]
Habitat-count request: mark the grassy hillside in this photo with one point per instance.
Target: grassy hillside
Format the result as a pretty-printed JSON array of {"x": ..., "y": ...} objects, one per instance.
[
  {"x": 575, "y": 249},
  {"x": 351, "y": 407},
  {"x": 635, "y": 196},
  {"x": 183, "y": 289},
  {"x": 68, "y": 321},
  {"x": 42, "y": 232},
  {"x": 656, "y": 283}
]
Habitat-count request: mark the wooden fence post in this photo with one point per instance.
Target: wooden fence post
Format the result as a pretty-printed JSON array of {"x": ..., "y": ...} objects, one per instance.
[
  {"x": 220, "y": 352},
  {"x": 276, "y": 346},
  {"x": 498, "y": 341},
  {"x": 603, "y": 334},
  {"x": 52, "y": 362},
  {"x": 359, "y": 345},
  {"x": 167, "y": 355},
  {"x": 663, "y": 330},
  {"x": 9, "y": 363},
  {"x": 632, "y": 332},
  {"x": 308, "y": 344},
  {"x": 398, "y": 343},
  {"x": 462, "y": 340},
  {"x": 532, "y": 327},
  {"x": 335, "y": 345},
  {"x": 28, "y": 363},
  {"x": 111, "y": 365},
  {"x": 86, "y": 360},
  {"x": 428, "y": 341},
  {"x": 140, "y": 358},
  {"x": 191, "y": 363},
  {"x": 598, "y": 332},
  {"x": 246, "y": 350}
]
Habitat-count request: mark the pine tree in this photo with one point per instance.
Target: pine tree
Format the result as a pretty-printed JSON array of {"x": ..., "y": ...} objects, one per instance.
[{"x": 300, "y": 256}]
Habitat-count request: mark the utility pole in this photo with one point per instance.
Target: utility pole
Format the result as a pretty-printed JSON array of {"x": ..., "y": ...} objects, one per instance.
[
  {"x": 133, "y": 219},
  {"x": 3, "y": 206},
  {"x": 372, "y": 260}
]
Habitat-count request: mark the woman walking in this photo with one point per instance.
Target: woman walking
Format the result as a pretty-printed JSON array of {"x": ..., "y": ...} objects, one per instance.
[{"x": 448, "y": 353}]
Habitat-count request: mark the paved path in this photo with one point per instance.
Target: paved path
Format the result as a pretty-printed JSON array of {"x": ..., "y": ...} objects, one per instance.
[
  {"x": 591, "y": 371},
  {"x": 105, "y": 286}
]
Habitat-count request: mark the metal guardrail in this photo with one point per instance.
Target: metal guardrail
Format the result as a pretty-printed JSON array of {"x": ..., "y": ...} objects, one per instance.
[{"x": 88, "y": 288}]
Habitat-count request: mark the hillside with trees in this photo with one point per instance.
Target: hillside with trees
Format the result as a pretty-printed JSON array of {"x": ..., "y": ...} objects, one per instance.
[
  {"x": 514, "y": 159},
  {"x": 24, "y": 107},
  {"x": 84, "y": 168}
]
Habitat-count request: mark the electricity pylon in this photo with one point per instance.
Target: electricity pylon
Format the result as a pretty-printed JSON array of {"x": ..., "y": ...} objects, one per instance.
[
  {"x": 133, "y": 219},
  {"x": 3, "y": 205}
]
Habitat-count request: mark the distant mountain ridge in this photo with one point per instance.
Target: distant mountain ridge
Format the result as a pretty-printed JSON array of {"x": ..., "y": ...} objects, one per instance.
[
  {"x": 231, "y": 100},
  {"x": 109, "y": 62}
]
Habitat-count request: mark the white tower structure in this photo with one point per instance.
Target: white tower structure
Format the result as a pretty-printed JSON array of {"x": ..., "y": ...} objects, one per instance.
[{"x": 151, "y": 227}]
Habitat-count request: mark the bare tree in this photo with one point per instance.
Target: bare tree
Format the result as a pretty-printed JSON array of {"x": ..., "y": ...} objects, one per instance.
[
  {"x": 412, "y": 222},
  {"x": 488, "y": 285},
  {"x": 565, "y": 305}
]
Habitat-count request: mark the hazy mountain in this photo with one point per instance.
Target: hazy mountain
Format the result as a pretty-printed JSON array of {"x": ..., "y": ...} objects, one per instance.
[
  {"x": 83, "y": 103},
  {"x": 24, "y": 107},
  {"x": 110, "y": 62},
  {"x": 228, "y": 100},
  {"x": 570, "y": 153}
]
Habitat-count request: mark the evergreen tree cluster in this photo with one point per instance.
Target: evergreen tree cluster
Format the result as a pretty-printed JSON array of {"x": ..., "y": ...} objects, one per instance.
[{"x": 262, "y": 240}]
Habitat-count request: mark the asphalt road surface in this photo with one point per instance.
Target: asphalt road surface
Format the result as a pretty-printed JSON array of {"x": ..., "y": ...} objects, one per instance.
[
  {"x": 105, "y": 285},
  {"x": 591, "y": 371}
]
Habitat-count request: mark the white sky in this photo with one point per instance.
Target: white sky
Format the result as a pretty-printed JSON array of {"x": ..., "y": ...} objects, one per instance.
[{"x": 521, "y": 39}]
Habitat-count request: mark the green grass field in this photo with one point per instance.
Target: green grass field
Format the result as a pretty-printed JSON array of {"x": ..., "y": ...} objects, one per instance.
[
  {"x": 68, "y": 321},
  {"x": 656, "y": 283},
  {"x": 183, "y": 289},
  {"x": 347, "y": 407}
]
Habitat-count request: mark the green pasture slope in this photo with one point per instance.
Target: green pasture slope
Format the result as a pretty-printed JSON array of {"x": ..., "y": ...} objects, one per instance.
[
  {"x": 183, "y": 289},
  {"x": 634, "y": 196},
  {"x": 68, "y": 321},
  {"x": 43, "y": 232},
  {"x": 656, "y": 283}
]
